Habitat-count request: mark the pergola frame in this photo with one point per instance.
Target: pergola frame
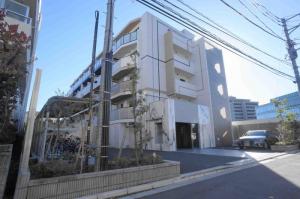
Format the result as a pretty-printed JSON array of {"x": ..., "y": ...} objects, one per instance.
[{"x": 56, "y": 107}]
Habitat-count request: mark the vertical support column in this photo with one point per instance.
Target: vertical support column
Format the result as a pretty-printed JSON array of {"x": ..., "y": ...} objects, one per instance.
[
  {"x": 169, "y": 123},
  {"x": 24, "y": 173},
  {"x": 44, "y": 139},
  {"x": 206, "y": 133}
]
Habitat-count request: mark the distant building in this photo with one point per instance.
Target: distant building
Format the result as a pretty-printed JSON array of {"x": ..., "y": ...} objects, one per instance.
[
  {"x": 27, "y": 15},
  {"x": 268, "y": 111},
  {"x": 242, "y": 109}
]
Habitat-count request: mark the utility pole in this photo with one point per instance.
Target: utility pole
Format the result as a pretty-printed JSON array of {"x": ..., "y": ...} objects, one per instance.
[
  {"x": 92, "y": 71},
  {"x": 291, "y": 48},
  {"x": 105, "y": 92}
]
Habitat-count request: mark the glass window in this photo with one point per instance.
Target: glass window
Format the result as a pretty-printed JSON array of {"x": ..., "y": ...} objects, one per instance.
[
  {"x": 133, "y": 36},
  {"x": 256, "y": 133},
  {"x": 159, "y": 134},
  {"x": 17, "y": 10},
  {"x": 17, "y": 7},
  {"x": 127, "y": 38}
]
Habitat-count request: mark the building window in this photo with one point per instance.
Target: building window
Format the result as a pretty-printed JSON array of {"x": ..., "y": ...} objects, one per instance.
[
  {"x": 159, "y": 133},
  {"x": 17, "y": 10}
]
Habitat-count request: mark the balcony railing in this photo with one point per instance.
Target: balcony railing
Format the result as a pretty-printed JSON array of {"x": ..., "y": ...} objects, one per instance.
[
  {"x": 185, "y": 89},
  {"x": 130, "y": 37},
  {"x": 122, "y": 67},
  {"x": 121, "y": 114},
  {"x": 84, "y": 76},
  {"x": 121, "y": 87},
  {"x": 17, "y": 16}
]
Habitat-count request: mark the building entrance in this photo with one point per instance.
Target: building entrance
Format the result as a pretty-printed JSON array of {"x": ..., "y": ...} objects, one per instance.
[{"x": 183, "y": 135}]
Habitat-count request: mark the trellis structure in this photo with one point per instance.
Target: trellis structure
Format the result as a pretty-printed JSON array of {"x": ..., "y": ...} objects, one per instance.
[{"x": 56, "y": 109}]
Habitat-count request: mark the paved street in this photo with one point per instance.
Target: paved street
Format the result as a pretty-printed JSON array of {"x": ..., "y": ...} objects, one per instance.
[
  {"x": 251, "y": 153},
  {"x": 189, "y": 162},
  {"x": 278, "y": 179}
]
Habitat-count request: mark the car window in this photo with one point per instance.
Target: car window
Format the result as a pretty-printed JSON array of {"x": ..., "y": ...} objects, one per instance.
[{"x": 256, "y": 133}]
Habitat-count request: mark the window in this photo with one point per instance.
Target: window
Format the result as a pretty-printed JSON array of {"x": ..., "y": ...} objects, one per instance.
[
  {"x": 133, "y": 35},
  {"x": 159, "y": 133},
  {"x": 127, "y": 38},
  {"x": 17, "y": 10}
]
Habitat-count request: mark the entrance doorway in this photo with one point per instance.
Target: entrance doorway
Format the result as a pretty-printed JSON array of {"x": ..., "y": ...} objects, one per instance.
[{"x": 183, "y": 136}]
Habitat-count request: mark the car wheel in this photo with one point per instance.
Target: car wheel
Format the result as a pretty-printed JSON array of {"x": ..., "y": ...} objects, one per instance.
[{"x": 241, "y": 146}]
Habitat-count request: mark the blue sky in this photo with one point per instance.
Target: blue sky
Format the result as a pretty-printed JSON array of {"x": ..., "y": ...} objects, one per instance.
[{"x": 65, "y": 43}]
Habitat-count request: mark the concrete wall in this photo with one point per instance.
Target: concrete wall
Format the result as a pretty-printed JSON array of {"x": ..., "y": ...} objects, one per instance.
[
  {"x": 5, "y": 156},
  {"x": 219, "y": 96},
  {"x": 74, "y": 186}
]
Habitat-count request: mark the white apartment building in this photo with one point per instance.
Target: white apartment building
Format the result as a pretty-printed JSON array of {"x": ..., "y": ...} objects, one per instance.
[
  {"x": 182, "y": 78},
  {"x": 27, "y": 15}
]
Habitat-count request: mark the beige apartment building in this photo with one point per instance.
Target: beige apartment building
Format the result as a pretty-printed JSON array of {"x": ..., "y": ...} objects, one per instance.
[
  {"x": 27, "y": 15},
  {"x": 182, "y": 79}
]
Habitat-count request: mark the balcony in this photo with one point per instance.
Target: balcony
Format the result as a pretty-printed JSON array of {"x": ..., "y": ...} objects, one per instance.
[
  {"x": 183, "y": 65},
  {"x": 122, "y": 68},
  {"x": 182, "y": 44},
  {"x": 122, "y": 114},
  {"x": 84, "y": 91},
  {"x": 125, "y": 44},
  {"x": 97, "y": 82},
  {"x": 185, "y": 89},
  {"x": 121, "y": 91}
]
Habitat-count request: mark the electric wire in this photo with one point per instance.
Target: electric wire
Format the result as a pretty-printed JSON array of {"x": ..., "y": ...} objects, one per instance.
[
  {"x": 250, "y": 21},
  {"x": 261, "y": 21},
  {"x": 223, "y": 29},
  {"x": 195, "y": 28},
  {"x": 267, "y": 13}
]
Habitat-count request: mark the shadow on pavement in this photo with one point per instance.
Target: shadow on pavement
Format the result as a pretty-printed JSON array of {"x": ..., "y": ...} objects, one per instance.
[{"x": 275, "y": 180}]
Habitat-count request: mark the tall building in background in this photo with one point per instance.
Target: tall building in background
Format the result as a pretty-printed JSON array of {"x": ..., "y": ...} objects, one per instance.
[
  {"x": 268, "y": 111},
  {"x": 27, "y": 15},
  {"x": 242, "y": 109},
  {"x": 182, "y": 79}
]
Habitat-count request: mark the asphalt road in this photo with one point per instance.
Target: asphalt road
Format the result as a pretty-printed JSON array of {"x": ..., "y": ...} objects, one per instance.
[
  {"x": 278, "y": 179},
  {"x": 189, "y": 162}
]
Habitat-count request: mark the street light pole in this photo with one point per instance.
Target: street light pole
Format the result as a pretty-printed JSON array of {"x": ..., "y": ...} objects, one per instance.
[
  {"x": 291, "y": 49},
  {"x": 105, "y": 92}
]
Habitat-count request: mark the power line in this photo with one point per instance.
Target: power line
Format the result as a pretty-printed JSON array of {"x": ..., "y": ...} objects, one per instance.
[
  {"x": 261, "y": 21},
  {"x": 267, "y": 13},
  {"x": 222, "y": 29},
  {"x": 177, "y": 17},
  {"x": 250, "y": 21}
]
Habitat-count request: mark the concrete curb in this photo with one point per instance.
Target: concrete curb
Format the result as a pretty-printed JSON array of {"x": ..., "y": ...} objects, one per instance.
[{"x": 187, "y": 178}]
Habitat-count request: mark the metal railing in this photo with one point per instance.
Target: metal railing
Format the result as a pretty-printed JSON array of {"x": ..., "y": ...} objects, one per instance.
[{"x": 124, "y": 40}]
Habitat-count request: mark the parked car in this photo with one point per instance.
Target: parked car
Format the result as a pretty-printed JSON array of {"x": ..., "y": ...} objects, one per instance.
[{"x": 257, "y": 138}]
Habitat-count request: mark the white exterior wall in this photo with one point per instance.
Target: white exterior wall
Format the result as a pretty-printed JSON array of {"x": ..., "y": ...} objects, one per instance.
[{"x": 174, "y": 75}]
